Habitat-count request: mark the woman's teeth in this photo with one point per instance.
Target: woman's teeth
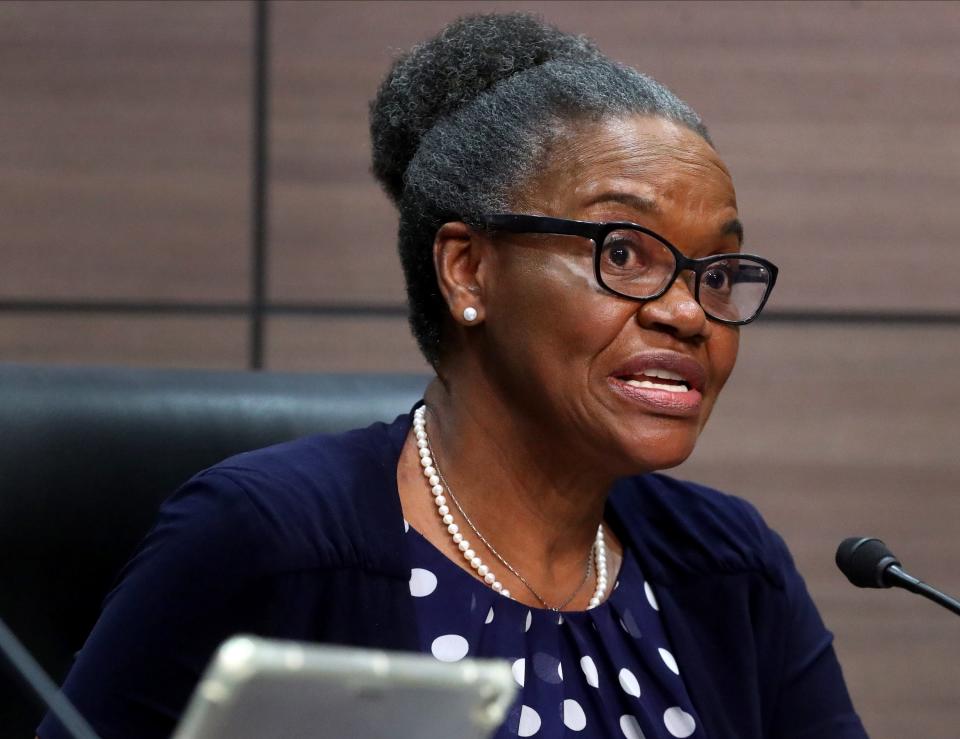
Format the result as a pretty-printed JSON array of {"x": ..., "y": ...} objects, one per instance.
[
  {"x": 658, "y": 386},
  {"x": 661, "y": 374}
]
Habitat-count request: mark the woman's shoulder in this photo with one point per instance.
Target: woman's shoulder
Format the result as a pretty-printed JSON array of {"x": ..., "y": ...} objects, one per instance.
[
  {"x": 691, "y": 529},
  {"x": 332, "y": 463},
  {"x": 303, "y": 501}
]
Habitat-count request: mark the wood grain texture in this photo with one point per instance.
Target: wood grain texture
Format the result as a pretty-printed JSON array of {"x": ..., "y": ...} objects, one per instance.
[
  {"x": 838, "y": 121},
  {"x": 309, "y": 344},
  {"x": 124, "y": 150},
  {"x": 134, "y": 341}
]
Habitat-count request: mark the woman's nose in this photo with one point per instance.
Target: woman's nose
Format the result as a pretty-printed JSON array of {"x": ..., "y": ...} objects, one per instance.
[{"x": 676, "y": 311}]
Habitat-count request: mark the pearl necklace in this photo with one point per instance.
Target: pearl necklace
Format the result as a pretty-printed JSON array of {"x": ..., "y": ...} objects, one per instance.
[
  {"x": 439, "y": 486},
  {"x": 588, "y": 570}
]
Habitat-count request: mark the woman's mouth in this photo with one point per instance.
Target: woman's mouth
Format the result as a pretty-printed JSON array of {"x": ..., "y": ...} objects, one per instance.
[
  {"x": 664, "y": 383},
  {"x": 659, "y": 379}
]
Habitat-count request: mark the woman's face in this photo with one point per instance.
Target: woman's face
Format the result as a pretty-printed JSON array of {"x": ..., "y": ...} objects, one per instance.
[{"x": 581, "y": 360}]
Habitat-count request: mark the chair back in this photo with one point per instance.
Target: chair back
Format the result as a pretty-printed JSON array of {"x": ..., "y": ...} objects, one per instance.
[{"x": 88, "y": 454}]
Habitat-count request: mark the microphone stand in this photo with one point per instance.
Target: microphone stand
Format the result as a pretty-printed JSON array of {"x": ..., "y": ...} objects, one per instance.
[
  {"x": 32, "y": 673},
  {"x": 902, "y": 579}
]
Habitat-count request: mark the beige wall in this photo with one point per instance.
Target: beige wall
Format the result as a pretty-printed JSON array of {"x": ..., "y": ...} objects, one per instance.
[{"x": 125, "y": 144}]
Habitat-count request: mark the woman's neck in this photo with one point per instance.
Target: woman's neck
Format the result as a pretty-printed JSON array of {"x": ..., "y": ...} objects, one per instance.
[{"x": 538, "y": 501}]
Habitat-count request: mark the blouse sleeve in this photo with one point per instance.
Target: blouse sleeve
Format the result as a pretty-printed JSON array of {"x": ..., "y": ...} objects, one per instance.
[{"x": 187, "y": 589}]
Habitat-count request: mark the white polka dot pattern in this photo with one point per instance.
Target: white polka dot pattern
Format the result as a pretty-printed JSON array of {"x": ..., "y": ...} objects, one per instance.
[
  {"x": 449, "y": 648},
  {"x": 651, "y": 598},
  {"x": 630, "y": 727},
  {"x": 573, "y": 716},
  {"x": 678, "y": 722},
  {"x": 529, "y": 722},
  {"x": 629, "y": 683},
  {"x": 519, "y": 669},
  {"x": 622, "y": 641},
  {"x": 669, "y": 661},
  {"x": 590, "y": 671},
  {"x": 422, "y": 582}
]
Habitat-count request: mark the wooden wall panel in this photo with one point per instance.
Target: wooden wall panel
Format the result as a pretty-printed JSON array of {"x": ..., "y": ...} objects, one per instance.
[
  {"x": 836, "y": 432},
  {"x": 332, "y": 231},
  {"x": 139, "y": 340},
  {"x": 125, "y": 150},
  {"x": 341, "y": 344},
  {"x": 838, "y": 121}
]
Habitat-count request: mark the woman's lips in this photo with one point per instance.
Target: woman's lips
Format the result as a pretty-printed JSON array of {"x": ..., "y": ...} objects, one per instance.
[
  {"x": 681, "y": 403},
  {"x": 665, "y": 382}
]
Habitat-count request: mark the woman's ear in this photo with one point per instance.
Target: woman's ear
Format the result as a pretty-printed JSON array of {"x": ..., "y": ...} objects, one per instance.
[{"x": 459, "y": 259}]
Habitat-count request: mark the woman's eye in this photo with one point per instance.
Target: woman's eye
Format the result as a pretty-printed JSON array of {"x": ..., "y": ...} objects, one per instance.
[
  {"x": 716, "y": 279},
  {"x": 620, "y": 254}
]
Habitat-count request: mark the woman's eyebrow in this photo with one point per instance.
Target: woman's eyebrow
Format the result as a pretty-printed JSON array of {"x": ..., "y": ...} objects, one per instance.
[
  {"x": 638, "y": 202},
  {"x": 648, "y": 205},
  {"x": 733, "y": 226}
]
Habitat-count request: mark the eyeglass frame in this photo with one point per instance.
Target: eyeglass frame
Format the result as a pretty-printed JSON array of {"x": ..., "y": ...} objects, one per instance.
[{"x": 597, "y": 232}]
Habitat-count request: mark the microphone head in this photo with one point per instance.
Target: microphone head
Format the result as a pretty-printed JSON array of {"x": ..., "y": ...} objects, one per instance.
[{"x": 865, "y": 561}]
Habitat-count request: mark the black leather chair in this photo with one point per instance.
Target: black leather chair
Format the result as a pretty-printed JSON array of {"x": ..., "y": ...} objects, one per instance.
[{"x": 86, "y": 457}]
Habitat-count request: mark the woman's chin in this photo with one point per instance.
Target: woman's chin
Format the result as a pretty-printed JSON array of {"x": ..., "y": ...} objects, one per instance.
[
  {"x": 659, "y": 452},
  {"x": 669, "y": 463}
]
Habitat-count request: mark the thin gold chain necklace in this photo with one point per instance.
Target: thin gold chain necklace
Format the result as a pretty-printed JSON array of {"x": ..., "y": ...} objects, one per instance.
[{"x": 439, "y": 486}]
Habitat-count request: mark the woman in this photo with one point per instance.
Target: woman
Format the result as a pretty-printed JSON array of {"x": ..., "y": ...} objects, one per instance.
[{"x": 571, "y": 246}]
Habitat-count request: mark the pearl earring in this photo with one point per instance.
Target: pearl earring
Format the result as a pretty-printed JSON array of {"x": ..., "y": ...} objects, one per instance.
[{"x": 470, "y": 314}]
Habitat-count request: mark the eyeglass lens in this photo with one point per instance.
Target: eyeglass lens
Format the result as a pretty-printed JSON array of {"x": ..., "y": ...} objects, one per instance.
[{"x": 638, "y": 265}]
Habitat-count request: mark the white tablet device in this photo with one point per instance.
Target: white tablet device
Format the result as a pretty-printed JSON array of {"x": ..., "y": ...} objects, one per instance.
[{"x": 264, "y": 689}]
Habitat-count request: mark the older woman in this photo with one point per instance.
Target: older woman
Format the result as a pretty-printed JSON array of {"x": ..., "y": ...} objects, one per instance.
[{"x": 571, "y": 246}]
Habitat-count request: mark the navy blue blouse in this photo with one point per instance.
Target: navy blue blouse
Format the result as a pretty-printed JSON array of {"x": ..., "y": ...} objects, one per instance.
[
  {"x": 305, "y": 540},
  {"x": 605, "y": 672}
]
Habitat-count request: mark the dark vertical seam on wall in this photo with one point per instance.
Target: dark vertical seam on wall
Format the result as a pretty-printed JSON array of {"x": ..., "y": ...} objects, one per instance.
[{"x": 259, "y": 179}]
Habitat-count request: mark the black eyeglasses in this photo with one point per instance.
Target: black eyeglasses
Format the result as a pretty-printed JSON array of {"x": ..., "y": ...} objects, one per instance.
[{"x": 635, "y": 263}]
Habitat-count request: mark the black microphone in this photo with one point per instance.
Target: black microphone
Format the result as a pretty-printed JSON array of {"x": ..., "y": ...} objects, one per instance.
[{"x": 868, "y": 563}]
